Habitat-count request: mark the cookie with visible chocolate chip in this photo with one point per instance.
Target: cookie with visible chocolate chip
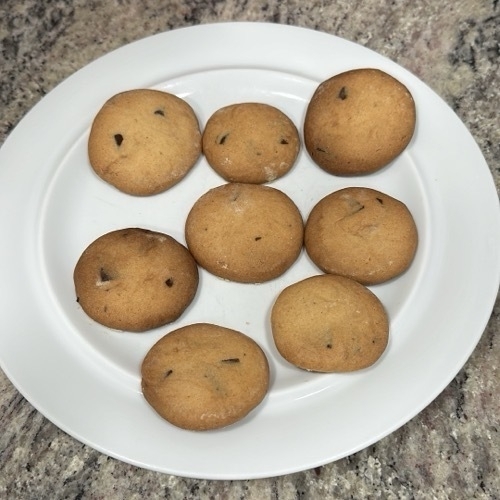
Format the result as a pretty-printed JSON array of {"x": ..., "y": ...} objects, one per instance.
[
  {"x": 250, "y": 142},
  {"x": 204, "y": 376},
  {"x": 329, "y": 323},
  {"x": 247, "y": 233},
  {"x": 358, "y": 122},
  {"x": 144, "y": 141},
  {"x": 361, "y": 233},
  {"x": 135, "y": 279}
]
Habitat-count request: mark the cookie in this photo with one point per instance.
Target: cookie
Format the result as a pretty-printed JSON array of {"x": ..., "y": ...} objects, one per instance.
[
  {"x": 144, "y": 141},
  {"x": 250, "y": 142},
  {"x": 204, "y": 376},
  {"x": 361, "y": 233},
  {"x": 135, "y": 279},
  {"x": 358, "y": 122},
  {"x": 247, "y": 233},
  {"x": 329, "y": 323}
]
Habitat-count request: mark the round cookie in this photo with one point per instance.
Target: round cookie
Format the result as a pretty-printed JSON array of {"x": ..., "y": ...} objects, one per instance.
[
  {"x": 204, "y": 376},
  {"x": 361, "y": 233},
  {"x": 329, "y": 323},
  {"x": 135, "y": 279},
  {"x": 144, "y": 141},
  {"x": 247, "y": 233},
  {"x": 250, "y": 142},
  {"x": 358, "y": 121}
]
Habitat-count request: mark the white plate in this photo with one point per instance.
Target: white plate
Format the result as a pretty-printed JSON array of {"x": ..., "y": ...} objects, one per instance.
[{"x": 85, "y": 378}]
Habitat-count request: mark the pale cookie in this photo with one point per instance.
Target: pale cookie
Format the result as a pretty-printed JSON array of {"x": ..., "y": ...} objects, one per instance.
[
  {"x": 362, "y": 234},
  {"x": 358, "y": 122},
  {"x": 204, "y": 376},
  {"x": 135, "y": 279},
  {"x": 329, "y": 323},
  {"x": 250, "y": 142},
  {"x": 247, "y": 233},
  {"x": 144, "y": 141}
]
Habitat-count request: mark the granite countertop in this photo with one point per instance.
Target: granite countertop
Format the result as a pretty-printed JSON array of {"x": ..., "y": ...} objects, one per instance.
[{"x": 452, "y": 448}]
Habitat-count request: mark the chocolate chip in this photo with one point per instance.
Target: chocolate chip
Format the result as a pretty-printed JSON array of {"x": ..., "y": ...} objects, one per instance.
[
  {"x": 257, "y": 238},
  {"x": 169, "y": 282},
  {"x": 222, "y": 140},
  {"x": 230, "y": 360},
  {"x": 320, "y": 150},
  {"x": 168, "y": 373},
  {"x": 343, "y": 93},
  {"x": 380, "y": 200},
  {"x": 118, "y": 139},
  {"x": 283, "y": 141},
  {"x": 328, "y": 346},
  {"x": 104, "y": 275},
  {"x": 160, "y": 112}
]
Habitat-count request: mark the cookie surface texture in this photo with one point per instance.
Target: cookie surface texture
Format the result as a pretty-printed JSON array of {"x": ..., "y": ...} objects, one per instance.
[
  {"x": 204, "y": 376},
  {"x": 135, "y": 279},
  {"x": 250, "y": 142},
  {"x": 361, "y": 233},
  {"x": 144, "y": 141},
  {"x": 329, "y": 323},
  {"x": 247, "y": 233},
  {"x": 358, "y": 122}
]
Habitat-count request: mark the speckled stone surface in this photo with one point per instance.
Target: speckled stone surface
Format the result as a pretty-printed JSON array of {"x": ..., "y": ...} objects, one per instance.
[{"x": 452, "y": 448}]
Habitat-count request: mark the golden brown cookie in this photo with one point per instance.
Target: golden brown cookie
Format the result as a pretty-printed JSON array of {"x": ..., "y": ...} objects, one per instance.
[
  {"x": 144, "y": 141},
  {"x": 204, "y": 376},
  {"x": 329, "y": 323},
  {"x": 250, "y": 142},
  {"x": 358, "y": 121},
  {"x": 135, "y": 279},
  {"x": 245, "y": 232},
  {"x": 361, "y": 233}
]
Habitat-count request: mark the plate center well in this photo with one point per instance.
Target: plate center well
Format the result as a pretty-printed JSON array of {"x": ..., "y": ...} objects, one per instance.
[{"x": 79, "y": 207}]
